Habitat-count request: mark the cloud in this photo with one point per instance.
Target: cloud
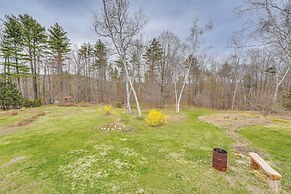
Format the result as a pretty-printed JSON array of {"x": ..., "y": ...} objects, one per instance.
[
  {"x": 177, "y": 16},
  {"x": 76, "y": 17}
]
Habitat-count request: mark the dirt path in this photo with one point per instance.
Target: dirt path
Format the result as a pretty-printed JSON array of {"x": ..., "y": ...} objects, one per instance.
[
  {"x": 238, "y": 169},
  {"x": 233, "y": 122},
  {"x": 24, "y": 122}
]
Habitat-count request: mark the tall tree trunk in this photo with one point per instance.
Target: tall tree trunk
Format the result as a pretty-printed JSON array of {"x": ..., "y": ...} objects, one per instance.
[
  {"x": 278, "y": 83},
  {"x": 128, "y": 79},
  {"x": 17, "y": 72},
  {"x": 189, "y": 90},
  {"x": 136, "y": 98},
  {"x": 161, "y": 97},
  {"x": 49, "y": 73},
  {"x": 162, "y": 92},
  {"x": 104, "y": 85},
  {"x": 34, "y": 84},
  {"x": 176, "y": 96},
  {"x": 17, "y": 67},
  {"x": 127, "y": 87},
  {"x": 44, "y": 85},
  {"x": 60, "y": 77},
  {"x": 234, "y": 94},
  {"x": 178, "y": 99},
  {"x": 35, "y": 74},
  {"x": 38, "y": 78}
]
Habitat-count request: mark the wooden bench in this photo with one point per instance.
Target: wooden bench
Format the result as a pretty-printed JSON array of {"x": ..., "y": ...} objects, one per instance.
[{"x": 274, "y": 178}]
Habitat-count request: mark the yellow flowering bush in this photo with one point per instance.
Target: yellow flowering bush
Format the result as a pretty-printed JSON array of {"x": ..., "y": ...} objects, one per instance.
[
  {"x": 156, "y": 118},
  {"x": 107, "y": 110}
]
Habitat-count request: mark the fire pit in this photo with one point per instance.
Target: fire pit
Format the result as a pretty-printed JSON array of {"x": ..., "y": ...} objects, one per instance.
[{"x": 219, "y": 159}]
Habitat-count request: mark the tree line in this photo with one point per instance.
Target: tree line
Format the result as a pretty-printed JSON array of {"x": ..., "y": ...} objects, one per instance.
[{"x": 123, "y": 68}]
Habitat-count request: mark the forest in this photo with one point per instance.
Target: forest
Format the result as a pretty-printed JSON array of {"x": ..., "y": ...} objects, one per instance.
[{"x": 41, "y": 66}]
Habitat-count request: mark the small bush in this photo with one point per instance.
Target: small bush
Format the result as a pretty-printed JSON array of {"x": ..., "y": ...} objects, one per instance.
[
  {"x": 9, "y": 95},
  {"x": 31, "y": 103},
  {"x": 156, "y": 118},
  {"x": 107, "y": 110},
  {"x": 119, "y": 105}
]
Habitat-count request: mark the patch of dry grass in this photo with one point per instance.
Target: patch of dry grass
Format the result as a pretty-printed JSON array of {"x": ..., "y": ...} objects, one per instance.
[
  {"x": 177, "y": 117},
  {"x": 24, "y": 122},
  {"x": 235, "y": 120}
]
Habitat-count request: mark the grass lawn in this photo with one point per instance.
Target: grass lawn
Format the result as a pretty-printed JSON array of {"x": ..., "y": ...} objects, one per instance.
[
  {"x": 65, "y": 151},
  {"x": 276, "y": 140}
]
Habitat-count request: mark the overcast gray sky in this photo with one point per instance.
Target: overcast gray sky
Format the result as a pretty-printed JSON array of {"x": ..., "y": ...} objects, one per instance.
[{"x": 76, "y": 17}]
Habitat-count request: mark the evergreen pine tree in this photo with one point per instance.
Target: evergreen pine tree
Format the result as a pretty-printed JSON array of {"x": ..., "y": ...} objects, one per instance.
[
  {"x": 59, "y": 46},
  {"x": 12, "y": 47},
  {"x": 34, "y": 42},
  {"x": 9, "y": 95},
  {"x": 153, "y": 57},
  {"x": 100, "y": 64}
]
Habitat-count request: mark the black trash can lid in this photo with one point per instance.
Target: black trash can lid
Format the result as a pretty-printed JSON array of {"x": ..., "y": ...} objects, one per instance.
[{"x": 220, "y": 150}]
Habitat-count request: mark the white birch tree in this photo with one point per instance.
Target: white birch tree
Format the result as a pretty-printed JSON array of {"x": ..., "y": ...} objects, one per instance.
[
  {"x": 193, "y": 44},
  {"x": 116, "y": 24}
]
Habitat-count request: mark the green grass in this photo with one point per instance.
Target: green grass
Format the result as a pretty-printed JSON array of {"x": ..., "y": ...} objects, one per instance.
[
  {"x": 276, "y": 140},
  {"x": 6, "y": 117},
  {"x": 66, "y": 152}
]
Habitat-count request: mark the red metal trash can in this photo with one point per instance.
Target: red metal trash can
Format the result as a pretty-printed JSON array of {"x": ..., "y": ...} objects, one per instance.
[{"x": 219, "y": 159}]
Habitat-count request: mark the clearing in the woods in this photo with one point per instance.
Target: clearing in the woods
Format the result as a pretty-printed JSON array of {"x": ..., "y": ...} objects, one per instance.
[{"x": 80, "y": 150}]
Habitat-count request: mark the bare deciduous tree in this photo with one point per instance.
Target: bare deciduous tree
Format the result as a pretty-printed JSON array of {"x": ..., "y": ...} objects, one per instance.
[
  {"x": 194, "y": 42},
  {"x": 116, "y": 24},
  {"x": 171, "y": 47},
  {"x": 272, "y": 19}
]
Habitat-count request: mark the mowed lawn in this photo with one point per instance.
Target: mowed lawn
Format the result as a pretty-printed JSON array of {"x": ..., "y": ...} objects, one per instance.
[
  {"x": 275, "y": 139},
  {"x": 65, "y": 151}
]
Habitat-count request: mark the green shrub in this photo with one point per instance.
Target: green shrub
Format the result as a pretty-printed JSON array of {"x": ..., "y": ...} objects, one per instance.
[
  {"x": 31, "y": 103},
  {"x": 156, "y": 118},
  {"x": 37, "y": 103},
  {"x": 118, "y": 105},
  {"x": 9, "y": 95}
]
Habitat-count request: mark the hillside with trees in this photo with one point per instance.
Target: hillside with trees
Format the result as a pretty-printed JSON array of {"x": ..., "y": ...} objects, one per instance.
[{"x": 124, "y": 68}]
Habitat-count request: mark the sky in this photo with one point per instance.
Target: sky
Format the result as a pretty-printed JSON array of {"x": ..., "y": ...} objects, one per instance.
[{"x": 77, "y": 17}]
